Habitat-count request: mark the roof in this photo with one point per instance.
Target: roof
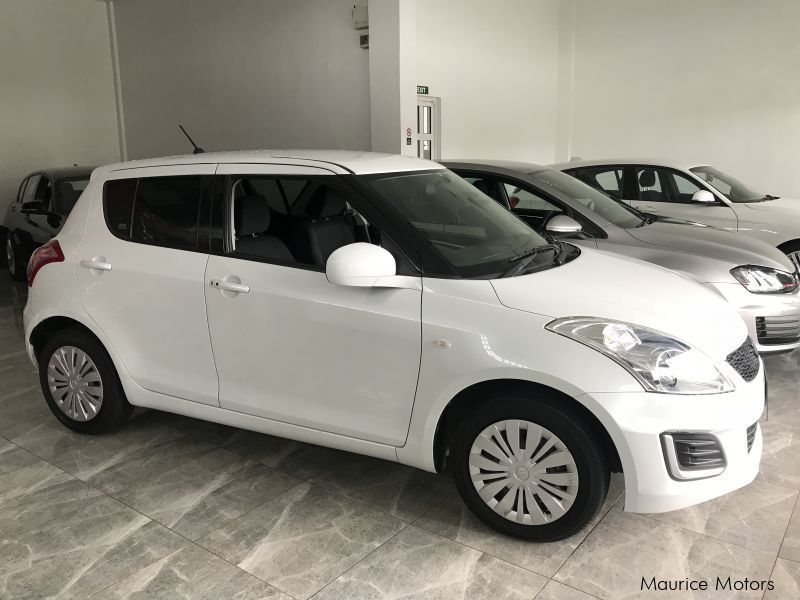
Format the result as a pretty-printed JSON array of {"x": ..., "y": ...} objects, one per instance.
[
  {"x": 346, "y": 160},
  {"x": 510, "y": 165},
  {"x": 657, "y": 162},
  {"x": 65, "y": 172}
]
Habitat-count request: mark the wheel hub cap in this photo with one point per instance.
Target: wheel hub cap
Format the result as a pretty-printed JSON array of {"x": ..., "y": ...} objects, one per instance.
[
  {"x": 523, "y": 472},
  {"x": 75, "y": 383}
]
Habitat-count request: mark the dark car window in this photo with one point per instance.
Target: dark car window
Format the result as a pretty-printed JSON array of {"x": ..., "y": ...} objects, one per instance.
[
  {"x": 162, "y": 211},
  {"x": 650, "y": 185},
  {"x": 605, "y": 179},
  {"x": 683, "y": 188},
  {"x": 28, "y": 195},
  {"x": 21, "y": 191},
  {"x": 67, "y": 193},
  {"x": 165, "y": 211},
  {"x": 44, "y": 192}
]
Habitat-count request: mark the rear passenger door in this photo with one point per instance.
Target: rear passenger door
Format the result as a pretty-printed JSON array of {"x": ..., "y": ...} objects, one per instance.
[
  {"x": 141, "y": 276},
  {"x": 289, "y": 345}
]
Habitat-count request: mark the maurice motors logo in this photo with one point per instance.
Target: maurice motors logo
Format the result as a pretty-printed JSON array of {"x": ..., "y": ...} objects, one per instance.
[{"x": 720, "y": 584}]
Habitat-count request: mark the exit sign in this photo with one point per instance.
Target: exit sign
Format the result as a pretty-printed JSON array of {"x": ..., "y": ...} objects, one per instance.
[{"x": 422, "y": 89}]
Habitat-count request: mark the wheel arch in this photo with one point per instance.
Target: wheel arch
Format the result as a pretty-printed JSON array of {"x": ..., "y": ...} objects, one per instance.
[
  {"x": 51, "y": 325},
  {"x": 479, "y": 393}
]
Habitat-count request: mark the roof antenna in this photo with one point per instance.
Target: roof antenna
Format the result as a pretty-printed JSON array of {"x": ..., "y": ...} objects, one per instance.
[{"x": 197, "y": 149}]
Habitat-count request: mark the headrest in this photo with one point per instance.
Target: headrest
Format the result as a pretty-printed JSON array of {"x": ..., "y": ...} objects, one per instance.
[
  {"x": 647, "y": 178},
  {"x": 325, "y": 203},
  {"x": 254, "y": 214}
]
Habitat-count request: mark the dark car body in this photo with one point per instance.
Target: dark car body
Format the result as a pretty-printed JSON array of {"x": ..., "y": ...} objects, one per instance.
[{"x": 37, "y": 213}]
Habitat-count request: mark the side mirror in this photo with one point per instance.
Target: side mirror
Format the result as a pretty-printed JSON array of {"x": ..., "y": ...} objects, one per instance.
[
  {"x": 36, "y": 207},
  {"x": 361, "y": 265},
  {"x": 703, "y": 197},
  {"x": 561, "y": 224}
]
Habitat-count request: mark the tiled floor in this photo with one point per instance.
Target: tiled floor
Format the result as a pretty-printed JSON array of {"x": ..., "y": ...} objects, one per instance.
[{"x": 170, "y": 507}]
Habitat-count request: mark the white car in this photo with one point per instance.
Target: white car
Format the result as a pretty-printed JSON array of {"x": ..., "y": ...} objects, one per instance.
[
  {"x": 696, "y": 192},
  {"x": 383, "y": 305}
]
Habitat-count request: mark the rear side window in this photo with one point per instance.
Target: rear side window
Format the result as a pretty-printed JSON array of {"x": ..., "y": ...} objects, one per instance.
[{"x": 161, "y": 211}]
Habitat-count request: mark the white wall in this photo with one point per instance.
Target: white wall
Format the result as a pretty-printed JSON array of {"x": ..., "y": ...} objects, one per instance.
[
  {"x": 495, "y": 66},
  {"x": 57, "y": 102},
  {"x": 241, "y": 74},
  {"x": 714, "y": 81}
]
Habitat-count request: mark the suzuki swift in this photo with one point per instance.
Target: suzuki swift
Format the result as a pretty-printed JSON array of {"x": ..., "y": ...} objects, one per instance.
[{"x": 383, "y": 305}]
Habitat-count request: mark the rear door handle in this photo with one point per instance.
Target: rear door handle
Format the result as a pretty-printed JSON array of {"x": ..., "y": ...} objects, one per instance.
[
  {"x": 229, "y": 286},
  {"x": 97, "y": 265}
]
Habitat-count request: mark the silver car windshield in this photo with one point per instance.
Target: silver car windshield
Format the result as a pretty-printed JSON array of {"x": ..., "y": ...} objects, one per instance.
[
  {"x": 606, "y": 207},
  {"x": 730, "y": 187}
]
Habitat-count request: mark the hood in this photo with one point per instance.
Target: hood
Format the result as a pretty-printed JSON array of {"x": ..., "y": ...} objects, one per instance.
[
  {"x": 781, "y": 205},
  {"x": 694, "y": 238},
  {"x": 598, "y": 284}
]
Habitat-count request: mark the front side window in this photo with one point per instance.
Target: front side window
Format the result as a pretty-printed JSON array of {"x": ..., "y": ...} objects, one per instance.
[
  {"x": 473, "y": 234},
  {"x": 29, "y": 194},
  {"x": 44, "y": 192},
  {"x": 730, "y": 187},
  {"x": 650, "y": 187},
  {"x": 162, "y": 211},
  {"x": 606, "y": 207},
  {"x": 608, "y": 180},
  {"x": 683, "y": 188}
]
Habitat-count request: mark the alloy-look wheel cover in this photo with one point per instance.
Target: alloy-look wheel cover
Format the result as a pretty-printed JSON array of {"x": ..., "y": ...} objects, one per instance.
[
  {"x": 523, "y": 472},
  {"x": 75, "y": 383},
  {"x": 795, "y": 258},
  {"x": 10, "y": 260}
]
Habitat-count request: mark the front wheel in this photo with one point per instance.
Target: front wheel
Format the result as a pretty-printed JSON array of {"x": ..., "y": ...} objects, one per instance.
[
  {"x": 80, "y": 383},
  {"x": 15, "y": 268},
  {"x": 792, "y": 250},
  {"x": 529, "y": 468}
]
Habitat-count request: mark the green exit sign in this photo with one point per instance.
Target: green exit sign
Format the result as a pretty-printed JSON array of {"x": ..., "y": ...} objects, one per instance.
[{"x": 422, "y": 89}]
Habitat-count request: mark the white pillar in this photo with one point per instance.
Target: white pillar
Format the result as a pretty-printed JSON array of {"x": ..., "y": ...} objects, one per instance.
[{"x": 392, "y": 75}]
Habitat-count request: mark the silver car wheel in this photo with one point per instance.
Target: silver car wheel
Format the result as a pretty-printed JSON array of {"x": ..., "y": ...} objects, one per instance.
[
  {"x": 523, "y": 472},
  {"x": 75, "y": 383},
  {"x": 795, "y": 258},
  {"x": 10, "y": 260}
]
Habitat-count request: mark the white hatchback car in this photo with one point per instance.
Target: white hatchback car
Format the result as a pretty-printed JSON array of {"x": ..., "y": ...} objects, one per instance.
[{"x": 383, "y": 305}]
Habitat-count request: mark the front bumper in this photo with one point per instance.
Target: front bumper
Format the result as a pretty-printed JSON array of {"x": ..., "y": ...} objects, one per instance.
[
  {"x": 639, "y": 419},
  {"x": 773, "y": 320}
]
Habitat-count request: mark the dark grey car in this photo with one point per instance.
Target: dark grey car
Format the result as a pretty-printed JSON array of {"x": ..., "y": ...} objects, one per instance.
[
  {"x": 37, "y": 213},
  {"x": 757, "y": 279}
]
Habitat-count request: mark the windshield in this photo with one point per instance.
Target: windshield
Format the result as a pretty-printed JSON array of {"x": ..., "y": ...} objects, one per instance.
[
  {"x": 606, "y": 207},
  {"x": 471, "y": 232},
  {"x": 730, "y": 187}
]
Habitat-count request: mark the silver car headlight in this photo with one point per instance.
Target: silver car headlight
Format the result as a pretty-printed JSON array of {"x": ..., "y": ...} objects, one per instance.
[
  {"x": 763, "y": 280},
  {"x": 659, "y": 362}
]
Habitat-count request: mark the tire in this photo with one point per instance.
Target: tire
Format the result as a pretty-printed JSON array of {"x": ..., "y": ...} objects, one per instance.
[
  {"x": 15, "y": 268},
  {"x": 586, "y": 478},
  {"x": 82, "y": 412},
  {"x": 3, "y": 235}
]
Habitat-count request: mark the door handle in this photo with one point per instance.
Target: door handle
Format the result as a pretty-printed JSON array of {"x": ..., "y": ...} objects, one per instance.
[
  {"x": 229, "y": 286},
  {"x": 96, "y": 265}
]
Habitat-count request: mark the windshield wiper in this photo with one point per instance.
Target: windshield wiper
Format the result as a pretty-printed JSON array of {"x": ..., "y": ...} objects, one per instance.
[{"x": 521, "y": 261}]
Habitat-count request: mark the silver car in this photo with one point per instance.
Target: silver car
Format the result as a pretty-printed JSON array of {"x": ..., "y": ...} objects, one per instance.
[{"x": 754, "y": 277}]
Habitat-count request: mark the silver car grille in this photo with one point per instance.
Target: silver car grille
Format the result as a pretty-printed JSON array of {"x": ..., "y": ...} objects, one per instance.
[{"x": 778, "y": 330}]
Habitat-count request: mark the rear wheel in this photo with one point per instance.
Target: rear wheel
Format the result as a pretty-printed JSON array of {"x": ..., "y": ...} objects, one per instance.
[
  {"x": 15, "y": 268},
  {"x": 80, "y": 383},
  {"x": 528, "y": 468}
]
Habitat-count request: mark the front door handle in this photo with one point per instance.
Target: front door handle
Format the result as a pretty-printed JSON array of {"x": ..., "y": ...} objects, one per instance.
[
  {"x": 229, "y": 286},
  {"x": 96, "y": 265}
]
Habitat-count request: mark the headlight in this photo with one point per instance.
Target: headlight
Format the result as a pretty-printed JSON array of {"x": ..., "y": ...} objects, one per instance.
[
  {"x": 763, "y": 280},
  {"x": 660, "y": 363}
]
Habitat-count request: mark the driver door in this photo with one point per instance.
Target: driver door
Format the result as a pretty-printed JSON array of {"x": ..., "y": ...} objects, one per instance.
[{"x": 289, "y": 345}]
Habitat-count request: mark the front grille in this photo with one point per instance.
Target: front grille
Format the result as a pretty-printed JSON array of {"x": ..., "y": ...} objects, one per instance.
[
  {"x": 751, "y": 435},
  {"x": 696, "y": 451},
  {"x": 778, "y": 330},
  {"x": 745, "y": 361}
]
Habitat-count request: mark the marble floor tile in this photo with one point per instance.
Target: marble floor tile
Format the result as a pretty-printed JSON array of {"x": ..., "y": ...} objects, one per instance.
[
  {"x": 12, "y": 457},
  {"x": 212, "y": 433},
  {"x": 38, "y": 493},
  {"x": 190, "y": 574},
  {"x": 400, "y": 490},
  {"x": 302, "y": 540},
  {"x": 24, "y": 403},
  {"x": 75, "y": 557},
  {"x": 12, "y": 430},
  {"x": 558, "y": 591},
  {"x": 754, "y": 516},
  {"x": 198, "y": 496},
  {"x": 786, "y": 581},
  {"x": 418, "y": 564},
  {"x": 452, "y": 519},
  {"x": 790, "y": 548},
  {"x": 625, "y": 548}
]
